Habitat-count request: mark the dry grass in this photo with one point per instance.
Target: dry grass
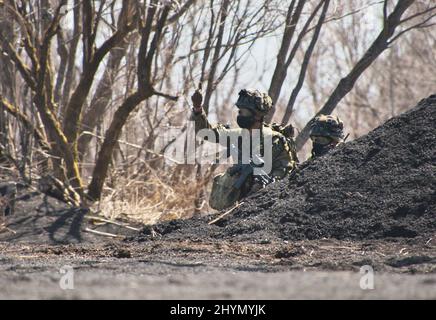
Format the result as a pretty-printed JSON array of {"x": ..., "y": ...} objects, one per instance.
[
  {"x": 152, "y": 198},
  {"x": 147, "y": 195}
]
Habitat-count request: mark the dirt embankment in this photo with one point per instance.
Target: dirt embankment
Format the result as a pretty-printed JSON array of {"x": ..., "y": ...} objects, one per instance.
[{"x": 380, "y": 186}]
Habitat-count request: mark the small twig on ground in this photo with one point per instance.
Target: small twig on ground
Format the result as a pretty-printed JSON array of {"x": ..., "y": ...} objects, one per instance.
[
  {"x": 353, "y": 248},
  {"x": 225, "y": 213},
  {"x": 106, "y": 234},
  {"x": 155, "y": 234},
  {"x": 402, "y": 250},
  {"x": 112, "y": 222},
  {"x": 3, "y": 227}
]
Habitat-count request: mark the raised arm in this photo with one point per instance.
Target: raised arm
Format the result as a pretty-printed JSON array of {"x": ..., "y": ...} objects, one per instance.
[{"x": 200, "y": 118}]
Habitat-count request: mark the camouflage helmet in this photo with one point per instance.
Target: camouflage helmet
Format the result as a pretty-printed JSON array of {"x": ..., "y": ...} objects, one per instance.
[
  {"x": 260, "y": 103},
  {"x": 327, "y": 126}
]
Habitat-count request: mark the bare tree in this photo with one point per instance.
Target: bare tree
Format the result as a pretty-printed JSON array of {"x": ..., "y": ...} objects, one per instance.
[
  {"x": 284, "y": 59},
  {"x": 305, "y": 63},
  {"x": 381, "y": 43},
  {"x": 37, "y": 40},
  {"x": 145, "y": 90}
]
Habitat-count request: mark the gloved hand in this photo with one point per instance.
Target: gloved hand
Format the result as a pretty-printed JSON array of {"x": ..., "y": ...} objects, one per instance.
[{"x": 197, "y": 100}]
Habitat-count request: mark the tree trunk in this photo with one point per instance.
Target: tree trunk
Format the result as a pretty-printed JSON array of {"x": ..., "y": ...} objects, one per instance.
[
  {"x": 304, "y": 65},
  {"x": 280, "y": 71},
  {"x": 112, "y": 135},
  {"x": 215, "y": 59},
  {"x": 102, "y": 97}
]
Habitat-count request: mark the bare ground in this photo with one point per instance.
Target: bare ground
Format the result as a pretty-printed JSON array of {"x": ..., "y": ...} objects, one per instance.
[{"x": 323, "y": 269}]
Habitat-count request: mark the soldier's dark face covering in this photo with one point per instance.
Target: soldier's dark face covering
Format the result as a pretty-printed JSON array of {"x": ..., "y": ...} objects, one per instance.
[
  {"x": 320, "y": 149},
  {"x": 321, "y": 145},
  {"x": 245, "y": 118}
]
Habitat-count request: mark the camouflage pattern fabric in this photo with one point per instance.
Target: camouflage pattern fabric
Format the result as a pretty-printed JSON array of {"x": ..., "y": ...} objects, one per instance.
[
  {"x": 327, "y": 126},
  {"x": 326, "y": 133},
  {"x": 288, "y": 132},
  {"x": 260, "y": 103},
  {"x": 283, "y": 161},
  {"x": 223, "y": 195}
]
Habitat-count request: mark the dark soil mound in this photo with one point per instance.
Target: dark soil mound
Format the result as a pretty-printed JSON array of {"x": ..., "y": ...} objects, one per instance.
[{"x": 382, "y": 185}]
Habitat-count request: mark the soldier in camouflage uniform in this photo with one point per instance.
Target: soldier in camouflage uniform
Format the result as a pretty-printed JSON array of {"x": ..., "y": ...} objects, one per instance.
[
  {"x": 253, "y": 107},
  {"x": 326, "y": 133}
]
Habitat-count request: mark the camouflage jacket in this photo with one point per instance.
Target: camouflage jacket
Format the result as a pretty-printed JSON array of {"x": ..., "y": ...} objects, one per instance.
[{"x": 282, "y": 161}]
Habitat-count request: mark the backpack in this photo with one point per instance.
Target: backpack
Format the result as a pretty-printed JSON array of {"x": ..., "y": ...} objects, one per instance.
[
  {"x": 288, "y": 133},
  {"x": 223, "y": 194}
]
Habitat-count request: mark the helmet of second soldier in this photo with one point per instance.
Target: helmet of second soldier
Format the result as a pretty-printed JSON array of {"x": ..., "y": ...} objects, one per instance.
[
  {"x": 327, "y": 127},
  {"x": 254, "y": 100}
]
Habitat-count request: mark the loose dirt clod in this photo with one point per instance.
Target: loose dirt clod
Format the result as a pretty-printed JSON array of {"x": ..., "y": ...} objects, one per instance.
[{"x": 382, "y": 185}]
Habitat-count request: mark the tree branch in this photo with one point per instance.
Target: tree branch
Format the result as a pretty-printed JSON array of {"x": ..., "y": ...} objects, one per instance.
[
  {"x": 216, "y": 54},
  {"x": 416, "y": 26},
  {"x": 346, "y": 84},
  {"x": 24, "y": 70},
  {"x": 15, "y": 112},
  {"x": 418, "y": 14},
  {"x": 166, "y": 96},
  {"x": 304, "y": 65},
  {"x": 74, "y": 108},
  {"x": 145, "y": 90}
]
